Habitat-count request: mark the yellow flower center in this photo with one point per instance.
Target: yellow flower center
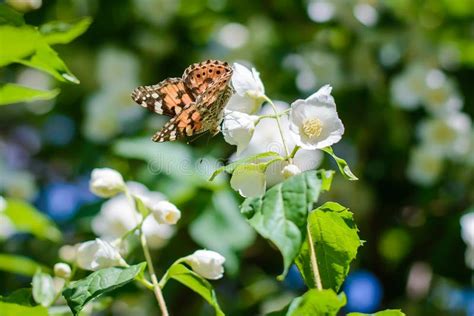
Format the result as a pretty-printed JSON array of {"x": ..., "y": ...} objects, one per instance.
[{"x": 312, "y": 127}]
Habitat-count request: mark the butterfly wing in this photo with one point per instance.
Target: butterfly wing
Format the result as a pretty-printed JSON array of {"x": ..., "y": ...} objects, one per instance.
[
  {"x": 168, "y": 97},
  {"x": 199, "y": 76},
  {"x": 186, "y": 123}
]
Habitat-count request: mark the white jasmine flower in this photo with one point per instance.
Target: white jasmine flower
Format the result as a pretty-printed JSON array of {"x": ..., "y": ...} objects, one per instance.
[
  {"x": 314, "y": 123},
  {"x": 7, "y": 228},
  {"x": 249, "y": 90},
  {"x": 3, "y": 204},
  {"x": 467, "y": 228},
  {"x": 469, "y": 257},
  {"x": 157, "y": 235},
  {"x": 290, "y": 170},
  {"x": 424, "y": 165},
  {"x": 117, "y": 216},
  {"x": 267, "y": 138},
  {"x": 249, "y": 180},
  {"x": 238, "y": 128},
  {"x": 407, "y": 88},
  {"x": 68, "y": 253},
  {"x": 62, "y": 270},
  {"x": 207, "y": 263},
  {"x": 441, "y": 96},
  {"x": 106, "y": 182},
  {"x": 98, "y": 254},
  {"x": 165, "y": 212},
  {"x": 448, "y": 136}
]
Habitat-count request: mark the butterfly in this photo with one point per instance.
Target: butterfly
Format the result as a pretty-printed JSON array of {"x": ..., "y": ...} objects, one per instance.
[{"x": 195, "y": 101}]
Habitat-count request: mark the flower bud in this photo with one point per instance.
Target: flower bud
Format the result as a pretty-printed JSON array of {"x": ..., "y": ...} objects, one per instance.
[
  {"x": 290, "y": 170},
  {"x": 68, "y": 253},
  {"x": 106, "y": 182},
  {"x": 165, "y": 212},
  {"x": 207, "y": 263},
  {"x": 62, "y": 270},
  {"x": 97, "y": 254}
]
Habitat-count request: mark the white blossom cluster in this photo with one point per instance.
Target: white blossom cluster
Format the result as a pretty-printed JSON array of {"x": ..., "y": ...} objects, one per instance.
[
  {"x": 305, "y": 126},
  {"x": 446, "y": 133},
  {"x": 119, "y": 217}
]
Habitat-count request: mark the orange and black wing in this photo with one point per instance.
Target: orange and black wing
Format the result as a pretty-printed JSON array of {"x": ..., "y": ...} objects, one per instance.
[{"x": 168, "y": 97}]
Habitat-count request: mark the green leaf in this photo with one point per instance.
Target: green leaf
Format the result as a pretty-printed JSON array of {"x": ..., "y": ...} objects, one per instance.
[
  {"x": 10, "y": 16},
  {"x": 59, "y": 32},
  {"x": 20, "y": 265},
  {"x": 195, "y": 282},
  {"x": 280, "y": 215},
  {"x": 221, "y": 228},
  {"x": 47, "y": 60},
  {"x": 341, "y": 164},
  {"x": 252, "y": 159},
  {"x": 336, "y": 241},
  {"x": 388, "y": 312},
  {"x": 43, "y": 288},
  {"x": 314, "y": 302},
  {"x": 27, "y": 219},
  {"x": 140, "y": 206},
  {"x": 21, "y": 297},
  {"x": 17, "y": 42},
  {"x": 79, "y": 293},
  {"x": 13, "y": 93},
  {"x": 10, "y": 309}
]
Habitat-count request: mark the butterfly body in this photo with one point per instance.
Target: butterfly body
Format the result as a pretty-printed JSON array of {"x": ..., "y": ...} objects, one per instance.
[{"x": 195, "y": 102}]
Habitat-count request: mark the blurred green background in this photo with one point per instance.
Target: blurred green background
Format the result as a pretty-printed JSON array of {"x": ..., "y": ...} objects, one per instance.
[{"x": 402, "y": 75}]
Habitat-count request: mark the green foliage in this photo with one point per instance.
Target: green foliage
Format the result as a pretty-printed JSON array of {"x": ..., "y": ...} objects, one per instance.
[
  {"x": 280, "y": 215},
  {"x": 20, "y": 265},
  {"x": 79, "y": 293},
  {"x": 388, "y": 312},
  {"x": 21, "y": 297},
  {"x": 43, "y": 288},
  {"x": 195, "y": 282},
  {"x": 60, "y": 32},
  {"x": 30, "y": 46},
  {"x": 342, "y": 165},
  {"x": 314, "y": 302},
  {"x": 11, "y": 309},
  {"x": 221, "y": 228},
  {"x": 335, "y": 238},
  {"x": 13, "y": 93},
  {"x": 28, "y": 219},
  {"x": 10, "y": 16}
]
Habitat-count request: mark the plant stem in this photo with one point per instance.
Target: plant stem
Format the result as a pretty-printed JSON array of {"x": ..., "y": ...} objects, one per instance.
[
  {"x": 295, "y": 150},
  {"x": 154, "y": 280},
  {"x": 314, "y": 261},
  {"x": 277, "y": 118},
  {"x": 149, "y": 261}
]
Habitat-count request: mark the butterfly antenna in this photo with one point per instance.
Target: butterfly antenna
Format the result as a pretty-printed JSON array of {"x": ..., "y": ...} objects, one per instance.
[{"x": 195, "y": 138}]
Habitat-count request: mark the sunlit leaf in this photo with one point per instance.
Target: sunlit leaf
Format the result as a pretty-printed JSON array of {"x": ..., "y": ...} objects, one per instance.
[
  {"x": 13, "y": 93},
  {"x": 252, "y": 159},
  {"x": 341, "y": 164},
  {"x": 10, "y": 309},
  {"x": 221, "y": 228},
  {"x": 79, "y": 293},
  {"x": 43, "y": 288},
  {"x": 19, "y": 265},
  {"x": 388, "y": 312},
  {"x": 59, "y": 32},
  {"x": 47, "y": 60},
  {"x": 314, "y": 302},
  {"x": 336, "y": 241},
  {"x": 195, "y": 282},
  {"x": 280, "y": 215},
  {"x": 27, "y": 219},
  {"x": 17, "y": 42}
]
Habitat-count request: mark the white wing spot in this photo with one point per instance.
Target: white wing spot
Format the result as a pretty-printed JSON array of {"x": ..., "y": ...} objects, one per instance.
[
  {"x": 154, "y": 95},
  {"x": 158, "y": 108}
]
